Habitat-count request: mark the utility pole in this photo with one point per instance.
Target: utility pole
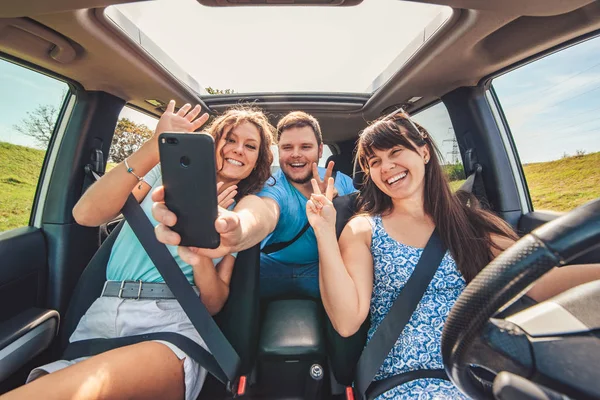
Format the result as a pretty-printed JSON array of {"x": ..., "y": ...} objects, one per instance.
[{"x": 454, "y": 154}]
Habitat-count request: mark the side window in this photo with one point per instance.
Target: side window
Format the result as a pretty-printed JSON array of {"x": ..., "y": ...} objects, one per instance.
[
  {"x": 437, "y": 122},
  {"x": 133, "y": 129},
  {"x": 29, "y": 110},
  {"x": 551, "y": 107}
]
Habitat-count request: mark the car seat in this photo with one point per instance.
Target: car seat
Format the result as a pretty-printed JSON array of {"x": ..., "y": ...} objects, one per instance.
[{"x": 238, "y": 320}]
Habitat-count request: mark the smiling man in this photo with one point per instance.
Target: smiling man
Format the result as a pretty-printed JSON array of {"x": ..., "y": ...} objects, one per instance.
[
  {"x": 289, "y": 257},
  {"x": 276, "y": 216}
]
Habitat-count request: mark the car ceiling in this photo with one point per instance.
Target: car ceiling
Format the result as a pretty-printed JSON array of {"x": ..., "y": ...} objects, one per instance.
[{"x": 481, "y": 38}]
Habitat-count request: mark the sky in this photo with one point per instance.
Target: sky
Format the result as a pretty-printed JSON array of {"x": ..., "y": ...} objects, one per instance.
[
  {"x": 257, "y": 49},
  {"x": 552, "y": 105}
]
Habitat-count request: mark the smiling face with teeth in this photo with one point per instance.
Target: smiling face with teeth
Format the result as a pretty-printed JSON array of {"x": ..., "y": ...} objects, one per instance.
[
  {"x": 298, "y": 149},
  {"x": 237, "y": 152},
  {"x": 399, "y": 171}
]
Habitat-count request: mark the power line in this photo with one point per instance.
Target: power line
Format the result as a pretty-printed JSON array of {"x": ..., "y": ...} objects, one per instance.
[{"x": 455, "y": 153}]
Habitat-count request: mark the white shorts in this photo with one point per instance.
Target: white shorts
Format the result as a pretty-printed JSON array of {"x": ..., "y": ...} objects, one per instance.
[{"x": 111, "y": 317}]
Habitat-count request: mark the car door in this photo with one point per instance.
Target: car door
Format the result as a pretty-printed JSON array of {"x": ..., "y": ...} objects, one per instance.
[
  {"x": 50, "y": 128},
  {"x": 32, "y": 112}
]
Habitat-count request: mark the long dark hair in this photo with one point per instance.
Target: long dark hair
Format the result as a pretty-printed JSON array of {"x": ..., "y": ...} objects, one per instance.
[
  {"x": 463, "y": 225},
  {"x": 234, "y": 117}
]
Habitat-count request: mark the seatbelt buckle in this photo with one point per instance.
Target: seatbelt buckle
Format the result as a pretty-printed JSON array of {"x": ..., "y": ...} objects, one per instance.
[{"x": 238, "y": 388}]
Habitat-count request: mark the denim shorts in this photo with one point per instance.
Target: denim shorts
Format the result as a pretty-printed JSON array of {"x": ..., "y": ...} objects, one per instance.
[
  {"x": 279, "y": 279},
  {"x": 111, "y": 317}
]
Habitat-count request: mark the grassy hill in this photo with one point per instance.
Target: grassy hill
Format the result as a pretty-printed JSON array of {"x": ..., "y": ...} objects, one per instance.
[
  {"x": 556, "y": 185},
  {"x": 19, "y": 173},
  {"x": 564, "y": 184}
]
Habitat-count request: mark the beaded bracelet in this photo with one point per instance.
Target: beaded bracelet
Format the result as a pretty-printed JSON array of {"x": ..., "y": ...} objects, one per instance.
[{"x": 130, "y": 170}]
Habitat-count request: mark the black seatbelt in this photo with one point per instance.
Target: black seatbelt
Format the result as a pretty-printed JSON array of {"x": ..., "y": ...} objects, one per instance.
[
  {"x": 275, "y": 247},
  {"x": 224, "y": 362},
  {"x": 474, "y": 182},
  {"x": 219, "y": 346},
  {"x": 393, "y": 324},
  {"x": 92, "y": 347},
  {"x": 377, "y": 388},
  {"x": 94, "y": 168}
]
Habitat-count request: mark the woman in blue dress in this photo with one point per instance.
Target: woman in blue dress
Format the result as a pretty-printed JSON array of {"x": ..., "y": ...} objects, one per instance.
[{"x": 404, "y": 198}]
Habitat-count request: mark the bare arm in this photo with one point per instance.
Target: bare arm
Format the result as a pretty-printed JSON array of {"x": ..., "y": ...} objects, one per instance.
[
  {"x": 258, "y": 217},
  {"x": 250, "y": 222},
  {"x": 346, "y": 270},
  {"x": 105, "y": 198},
  {"x": 346, "y": 274},
  {"x": 212, "y": 281},
  {"x": 557, "y": 280}
]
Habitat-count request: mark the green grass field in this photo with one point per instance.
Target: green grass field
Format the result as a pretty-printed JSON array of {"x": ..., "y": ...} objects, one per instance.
[
  {"x": 564, "y": 184},
  {"x": 557, "y": 185},
  {"x": 19, "y": 173}
]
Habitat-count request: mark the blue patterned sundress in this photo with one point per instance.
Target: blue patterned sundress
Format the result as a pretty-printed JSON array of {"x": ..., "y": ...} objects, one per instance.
[{"x": 419, "y": 345}]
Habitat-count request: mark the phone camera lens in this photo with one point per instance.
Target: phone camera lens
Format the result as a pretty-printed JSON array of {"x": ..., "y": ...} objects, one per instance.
[
  {"x": 172, "y": 140},
  {"x": 185, "y": 161}
]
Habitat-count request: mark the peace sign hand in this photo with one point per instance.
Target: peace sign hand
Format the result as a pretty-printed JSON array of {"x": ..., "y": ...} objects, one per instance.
[
  {"x": 322, "y": 184},
  {"x": 319, "y": 208}
]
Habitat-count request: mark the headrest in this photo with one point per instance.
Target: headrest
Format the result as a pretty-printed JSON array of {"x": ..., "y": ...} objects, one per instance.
[
  {"x": 358, "y": 176},
  {"x": 335, "y": 158}
]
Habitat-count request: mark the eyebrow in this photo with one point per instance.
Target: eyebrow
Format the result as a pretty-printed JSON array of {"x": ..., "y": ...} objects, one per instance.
[{"x": 301, "y": 144}]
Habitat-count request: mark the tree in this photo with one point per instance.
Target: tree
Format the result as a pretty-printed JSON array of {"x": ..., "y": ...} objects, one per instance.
[
  {"x": 39, "y": 124},
  {"x": 219, "y": 91},
  {"x": 128, "y": 137}
]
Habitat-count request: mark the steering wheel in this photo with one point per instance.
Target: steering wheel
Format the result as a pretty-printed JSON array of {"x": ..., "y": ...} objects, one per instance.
[{"x": 544, "y": 345}]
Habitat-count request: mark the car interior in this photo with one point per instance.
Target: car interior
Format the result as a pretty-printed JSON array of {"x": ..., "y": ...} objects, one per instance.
[{"x": 53, "y": 269}]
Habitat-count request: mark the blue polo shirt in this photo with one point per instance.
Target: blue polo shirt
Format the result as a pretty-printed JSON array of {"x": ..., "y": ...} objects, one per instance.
[{"x": 292, "y": 218}]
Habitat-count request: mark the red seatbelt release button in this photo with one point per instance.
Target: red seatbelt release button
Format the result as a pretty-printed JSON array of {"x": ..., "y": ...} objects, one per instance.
[
  {"x": 349, "y": 393},
  {"x": 241, "y": 389}
]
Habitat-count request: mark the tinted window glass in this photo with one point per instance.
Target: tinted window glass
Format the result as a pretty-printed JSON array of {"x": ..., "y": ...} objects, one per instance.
[
  {"x": 437, "y": 122},
  {"x": 29, "y": 109},
  {"x": 552, "y": 108}
]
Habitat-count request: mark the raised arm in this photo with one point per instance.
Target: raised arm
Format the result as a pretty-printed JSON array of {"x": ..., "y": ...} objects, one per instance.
[
  {"x": 345, "y": 270},
  {"x": 104, "y": 199}
]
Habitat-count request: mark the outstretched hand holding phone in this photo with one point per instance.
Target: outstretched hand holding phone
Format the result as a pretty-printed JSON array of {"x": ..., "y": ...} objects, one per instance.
[{"x": 227, "y": 225}]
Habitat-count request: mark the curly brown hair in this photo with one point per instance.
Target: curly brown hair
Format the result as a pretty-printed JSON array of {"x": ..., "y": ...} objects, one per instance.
[{"x": 234, "y": 117}]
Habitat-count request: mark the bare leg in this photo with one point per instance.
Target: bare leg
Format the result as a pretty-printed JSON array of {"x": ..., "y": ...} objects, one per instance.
[
  {"x": 561, "y": 279},
  {"x": 147, "y": 370}
]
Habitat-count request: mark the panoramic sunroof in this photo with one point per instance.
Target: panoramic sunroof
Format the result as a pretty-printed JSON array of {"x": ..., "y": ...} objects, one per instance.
[{"x": 281, "y": 49}]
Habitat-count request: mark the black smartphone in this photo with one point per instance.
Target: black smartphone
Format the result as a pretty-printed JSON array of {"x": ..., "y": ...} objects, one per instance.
[{"x": 188, "y": 168}]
